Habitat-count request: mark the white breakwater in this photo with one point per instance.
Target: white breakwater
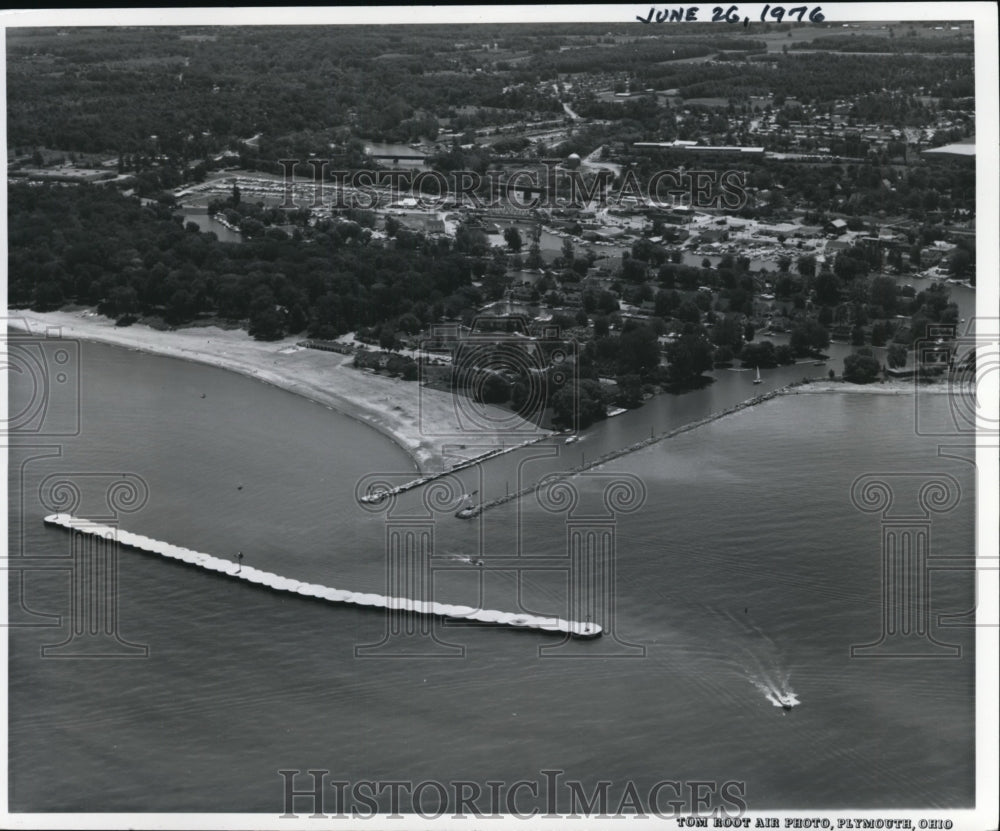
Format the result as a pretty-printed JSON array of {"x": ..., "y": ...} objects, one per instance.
[{"x": 287, "y": 584}]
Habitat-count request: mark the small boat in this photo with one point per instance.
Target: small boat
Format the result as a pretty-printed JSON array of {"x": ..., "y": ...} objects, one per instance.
[
  {"x": 468, "y": 510},
  {"x": 572, "y": 439},
  {"x": 820, "y": 363},
  {"x": 757, "y": 379},
  {"x": 787, "y": 701}
]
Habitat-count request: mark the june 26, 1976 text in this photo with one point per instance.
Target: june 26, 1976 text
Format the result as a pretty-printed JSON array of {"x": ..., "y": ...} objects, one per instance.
[{"x": 768, "y": 14}]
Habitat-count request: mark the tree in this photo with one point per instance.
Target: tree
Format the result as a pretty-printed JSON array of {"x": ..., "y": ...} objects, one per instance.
[
  {"x": 181, "y": 307},
  {"x": 629, "y": 391},
  {"x": 123, "y": 300},
  {"x": 513, "y": 238},
  {"x": 471, "y": 240},
  {"x": 880, "y": 331},
  {"x": 494, "y": 390},
  {"x": 633, "y": 270},
  {"x": 578, "y": 405},
  {"x": 267, "y": 324},
  {"x": 689, "y": 356},
  {"x": 784, "y": 354},
  {"x": 808, "y": 336},
  {"x": 534, "y": 258},
  {"x": 827, "y": 289},
  {"x": 882, "y": 295},
  {"x": 567, "y": 253},
  {"x": 723, "y": 356},
  {"x": 638, "y": 351},
  {"x": 759, "y": 355},
  {"x": 728, "y": 332},
  {"x": 688, "y": 312},
  {"x": 861, "y": 368},
  {"x": 896, "y": 357},
  {"x": 387, "y": 336},
  {"x": 850, "y": 264},
  {"x": 959, "y": 262},
  {"x": 606, "y": 302},
  {"x": 665, "y": 302},
  {"x": 48, "y": 295},
  {"x": 409, "y": 323},
  {"x": 807, "y": 265}
]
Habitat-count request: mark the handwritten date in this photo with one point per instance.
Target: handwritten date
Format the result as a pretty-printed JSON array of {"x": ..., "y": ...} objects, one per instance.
[{"x": 689, "y": 14}]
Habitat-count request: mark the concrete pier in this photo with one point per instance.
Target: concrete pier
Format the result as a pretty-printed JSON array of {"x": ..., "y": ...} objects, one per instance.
[{"x": 276, "y": 582}]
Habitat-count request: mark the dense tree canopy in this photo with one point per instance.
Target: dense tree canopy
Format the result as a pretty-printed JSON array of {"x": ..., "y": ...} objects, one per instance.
[{"x": 93, "y": 246}]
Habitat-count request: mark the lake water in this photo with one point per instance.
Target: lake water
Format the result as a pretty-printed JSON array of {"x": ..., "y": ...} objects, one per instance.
[
  {"x": 746, "y": 567},
  {"x": 209, "y": 223}
]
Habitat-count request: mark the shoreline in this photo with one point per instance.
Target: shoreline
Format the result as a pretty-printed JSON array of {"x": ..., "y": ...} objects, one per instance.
[
  {"x": 897, "y": 386},
  {"x": 642, "y": 444},
  {"x": 424, "y": 423},
  {"x": 806, "y": 387}
]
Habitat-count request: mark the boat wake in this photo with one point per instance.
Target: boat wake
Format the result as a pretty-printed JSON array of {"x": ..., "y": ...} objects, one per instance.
[
  {"x": 761, "y": 663},
  {"x": 779, "y": 694}
]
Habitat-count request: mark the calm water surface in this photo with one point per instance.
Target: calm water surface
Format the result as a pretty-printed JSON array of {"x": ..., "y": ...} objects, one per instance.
[{"x": 746, "y": 566}]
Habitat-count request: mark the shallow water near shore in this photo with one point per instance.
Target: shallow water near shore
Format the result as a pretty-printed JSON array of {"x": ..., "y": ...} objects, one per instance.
[{"x": 747, "y": 569}]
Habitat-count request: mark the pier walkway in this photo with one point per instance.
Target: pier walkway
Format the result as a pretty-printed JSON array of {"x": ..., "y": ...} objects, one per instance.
[{"x": 276, "y": 582}]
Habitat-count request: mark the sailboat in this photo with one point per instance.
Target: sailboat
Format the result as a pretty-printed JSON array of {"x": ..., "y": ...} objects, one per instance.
[{"x": 757, "y": 379}]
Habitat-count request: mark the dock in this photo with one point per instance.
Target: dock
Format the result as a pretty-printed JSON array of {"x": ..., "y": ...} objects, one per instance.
[
  {"x": 238, "y": 571},
  {"x": 374, "y": 497}
]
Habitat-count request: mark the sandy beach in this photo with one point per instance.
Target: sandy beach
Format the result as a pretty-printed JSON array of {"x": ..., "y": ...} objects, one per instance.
[{"x": 436, "y": 429}]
